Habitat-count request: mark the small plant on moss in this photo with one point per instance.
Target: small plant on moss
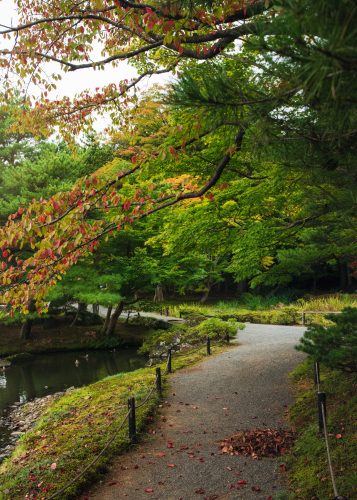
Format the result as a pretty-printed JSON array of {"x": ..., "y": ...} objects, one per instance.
[{"x": 336, "y": 345}]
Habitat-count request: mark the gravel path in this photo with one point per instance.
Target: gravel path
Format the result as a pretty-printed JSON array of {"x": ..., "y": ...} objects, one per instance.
[{"x": 243, "y": 388}]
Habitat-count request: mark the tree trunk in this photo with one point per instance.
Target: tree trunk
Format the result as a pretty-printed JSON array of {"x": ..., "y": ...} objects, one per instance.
[
  {"x": 26, "y": 328},
  {"x": 82, "y": 307},
  {"x": 159, "y": 294},
  {"x": 114, "y": 319},
  {"x": 205, "y": 295},
  {"x": 107, "y": 319}
]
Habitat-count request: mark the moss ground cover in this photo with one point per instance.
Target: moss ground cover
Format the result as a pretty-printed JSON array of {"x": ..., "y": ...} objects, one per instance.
[
  {"x": 75, "y": 428},
  {"x": 308, "y": 468}
]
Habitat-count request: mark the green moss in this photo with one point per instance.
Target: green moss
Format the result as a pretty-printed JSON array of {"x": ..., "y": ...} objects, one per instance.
[
  {"x": 75, "y": 428},
  {"x": 308, "y": 468}
]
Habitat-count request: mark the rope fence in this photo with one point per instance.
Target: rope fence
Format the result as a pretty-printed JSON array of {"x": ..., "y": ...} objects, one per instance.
[
  {"x": 321, "y": 407},
  {"x": 130, "y": 416}
]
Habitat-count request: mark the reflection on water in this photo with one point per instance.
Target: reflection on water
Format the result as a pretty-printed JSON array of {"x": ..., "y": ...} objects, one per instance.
[{"x": 48, "y": 373}]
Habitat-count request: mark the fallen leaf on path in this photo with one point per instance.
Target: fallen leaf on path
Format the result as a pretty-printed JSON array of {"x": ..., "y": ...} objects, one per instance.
[
  {"x": 170, "y": 444},
  {"x": 256, "y": 488},
  {"x": 161, "y": 454},
  {"x": 258, "y": 443},
  {"x": 200, "y": 491},
  {"x": 53, "y": 466},
  {"x": 112, "y": 483},
  {"x": 149, "y": 490},
  {"x": 172, "y": 466}
]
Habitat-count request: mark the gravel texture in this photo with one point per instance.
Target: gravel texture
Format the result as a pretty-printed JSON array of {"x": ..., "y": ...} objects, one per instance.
[{"x": 241, "y": 389}]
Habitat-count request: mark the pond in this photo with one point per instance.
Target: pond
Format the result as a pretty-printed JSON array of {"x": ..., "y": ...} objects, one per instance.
[{"x": 45, "y": 374}]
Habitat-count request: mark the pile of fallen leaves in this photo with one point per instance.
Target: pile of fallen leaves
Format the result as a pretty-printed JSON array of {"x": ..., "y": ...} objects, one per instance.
[{"x": 258, "y": 443}]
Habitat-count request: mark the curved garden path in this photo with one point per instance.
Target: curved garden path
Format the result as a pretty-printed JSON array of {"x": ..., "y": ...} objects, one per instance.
[{"x": 244, "y": 388}]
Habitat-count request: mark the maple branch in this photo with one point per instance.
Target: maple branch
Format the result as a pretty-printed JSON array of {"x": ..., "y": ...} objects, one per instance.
[{"x": 132, "y": 84}]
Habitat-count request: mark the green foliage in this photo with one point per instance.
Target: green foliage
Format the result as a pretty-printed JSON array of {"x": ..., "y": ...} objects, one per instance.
[
  {"x": 183, "y": 336},
  {"x": 307, "y": 465},
  {"x": 336, "y": 345},
  {"x": 44, "y": 170},
  {"x": 217, "y": 329}
]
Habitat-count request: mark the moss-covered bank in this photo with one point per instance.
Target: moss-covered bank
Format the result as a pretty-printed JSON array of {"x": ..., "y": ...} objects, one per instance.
[
  {"x": 308, "y": 468},
  {"x": 74, "y": 430}
]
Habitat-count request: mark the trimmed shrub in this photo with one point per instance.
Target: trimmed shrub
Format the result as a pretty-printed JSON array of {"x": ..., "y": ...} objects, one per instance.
[{"x": 217, "y": 329}]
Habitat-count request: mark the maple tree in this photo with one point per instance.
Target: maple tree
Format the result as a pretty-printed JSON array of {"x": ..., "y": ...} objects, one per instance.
[{"x": 278, "y": 77}]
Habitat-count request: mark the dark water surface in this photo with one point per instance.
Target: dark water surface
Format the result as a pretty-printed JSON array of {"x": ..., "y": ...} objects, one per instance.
[{"x": 45, "y": 374}]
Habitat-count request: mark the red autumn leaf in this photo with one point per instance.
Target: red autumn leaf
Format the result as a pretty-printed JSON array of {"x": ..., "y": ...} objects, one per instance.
[
  {"x": 170, "y": 444},
  {"x": 338, "y": 436},
  {"x": 172, "y": 466},
  {"x": 5, "y": 254},
  {"x": 149, "y": 490}
]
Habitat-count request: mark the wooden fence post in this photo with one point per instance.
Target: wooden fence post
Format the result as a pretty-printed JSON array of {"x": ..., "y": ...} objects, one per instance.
[
  {"x": 158, "y": 381},
  {"x": 132, "y": 419}
]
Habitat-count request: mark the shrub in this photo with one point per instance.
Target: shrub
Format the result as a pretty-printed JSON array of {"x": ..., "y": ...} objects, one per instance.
[
  {"x": 336, "y": 345},
  {"x": 218, "y": 329},
  {"x": 183, "y": 336}
]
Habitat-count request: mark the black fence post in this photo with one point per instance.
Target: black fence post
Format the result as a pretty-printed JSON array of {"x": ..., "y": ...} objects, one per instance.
[
  {"x": 317, "y": 373},
  {"x": 158, "y": 381},
  {"x": 131, "y": 419},
  {"x": 208, "y": 345},
  {"x": 169, "y": 360},
  {"x": 321, "y": 405}
]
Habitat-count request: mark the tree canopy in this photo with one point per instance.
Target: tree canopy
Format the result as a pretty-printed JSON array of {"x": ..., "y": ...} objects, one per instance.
[{"x": 259, "y": 116}]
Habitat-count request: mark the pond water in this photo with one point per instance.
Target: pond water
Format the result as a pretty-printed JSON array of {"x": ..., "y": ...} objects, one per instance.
[{"x": 45, "y": 374}]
